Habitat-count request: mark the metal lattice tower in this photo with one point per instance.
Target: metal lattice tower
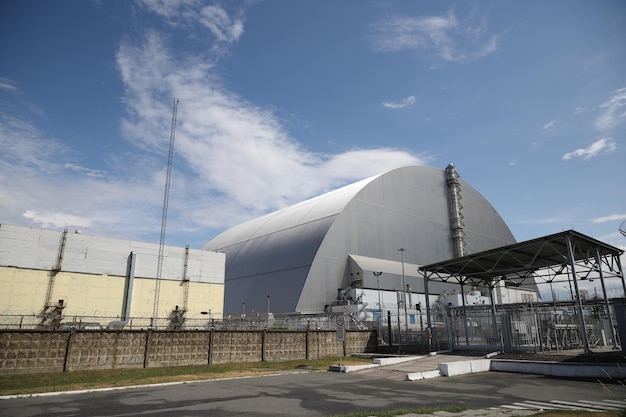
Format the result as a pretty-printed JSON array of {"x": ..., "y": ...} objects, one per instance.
[{"x": 168, "y": 177}]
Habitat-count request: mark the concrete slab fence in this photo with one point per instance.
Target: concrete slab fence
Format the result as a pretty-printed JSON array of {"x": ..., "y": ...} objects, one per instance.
[{"x": 31, "y": 351}]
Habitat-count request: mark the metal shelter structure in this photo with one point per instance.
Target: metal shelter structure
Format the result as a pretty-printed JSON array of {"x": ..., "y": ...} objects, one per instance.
[{"x": 568, "y": 256}]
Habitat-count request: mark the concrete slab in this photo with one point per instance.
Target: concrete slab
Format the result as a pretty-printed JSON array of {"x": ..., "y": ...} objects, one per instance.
[
  {"x": 480, "y": 365},
  {"x": 559, "y": 369},
  {"x": 455, "y": 368},
  {"x": 416, "y": 376},
  {"x": 350, "y": 368},
  {"x": 394, "y": 360}
]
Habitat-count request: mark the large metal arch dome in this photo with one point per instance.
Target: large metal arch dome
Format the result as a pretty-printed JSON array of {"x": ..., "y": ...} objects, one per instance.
[{"x": 295, "y": 259}]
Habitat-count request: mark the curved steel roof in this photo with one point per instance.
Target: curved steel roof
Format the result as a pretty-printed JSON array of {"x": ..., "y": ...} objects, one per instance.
[
  {"x": 296, "y": 258},
  {"x": 315, "y": 209}
]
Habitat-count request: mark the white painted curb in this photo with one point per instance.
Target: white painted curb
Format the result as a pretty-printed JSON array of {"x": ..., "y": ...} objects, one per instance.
[
  {"x": 394, "y": 360},
  {"x": 416, "y": 376}
]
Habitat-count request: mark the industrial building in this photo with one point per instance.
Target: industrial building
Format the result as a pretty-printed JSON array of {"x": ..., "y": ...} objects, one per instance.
[
  {"x": 54, "y": 279},
  {"x": 357, "y": 249}
]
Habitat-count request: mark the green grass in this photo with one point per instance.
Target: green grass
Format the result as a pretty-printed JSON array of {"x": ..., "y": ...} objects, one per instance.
[
  {"x": 402, "y": 411},
  {"x": 79, "y": 380},
  {"x": 456, "y": 409}
]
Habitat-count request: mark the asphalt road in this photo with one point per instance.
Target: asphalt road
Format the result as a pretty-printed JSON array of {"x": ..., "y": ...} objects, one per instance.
[{"x": 313, "y": 394}]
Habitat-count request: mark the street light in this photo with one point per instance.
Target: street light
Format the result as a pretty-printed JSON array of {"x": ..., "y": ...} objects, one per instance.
[
  {"x": 380, "y": 306},
  {"x": 406, "y": 318}
]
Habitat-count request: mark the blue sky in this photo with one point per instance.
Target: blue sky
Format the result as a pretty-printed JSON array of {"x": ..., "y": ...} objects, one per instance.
[{"x": 283, "y": 100}]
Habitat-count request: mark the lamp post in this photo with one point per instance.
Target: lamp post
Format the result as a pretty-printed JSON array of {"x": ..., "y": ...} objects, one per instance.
[
  {"x": 380, "y": 306},
  {"x": 406, "y": 321}
]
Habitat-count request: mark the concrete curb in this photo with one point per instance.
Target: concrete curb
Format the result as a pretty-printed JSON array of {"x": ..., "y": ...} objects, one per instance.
[
  {"x": 554, "y": 369},
  {"x": 161, "y": 384},
  {"x": 376, "y": 362},
  {"x": 350, "y": 368},
  {"x": 394, "y": 360},
  {"x": 560, "y": 369},
  {"x": 490, "y": 362},
  {"x": 416, "y": 376},
  {"x": 464, "y": 367}
]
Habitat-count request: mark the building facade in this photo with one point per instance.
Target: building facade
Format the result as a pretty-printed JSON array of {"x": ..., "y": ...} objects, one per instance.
[{"x": 52, "y": 279}]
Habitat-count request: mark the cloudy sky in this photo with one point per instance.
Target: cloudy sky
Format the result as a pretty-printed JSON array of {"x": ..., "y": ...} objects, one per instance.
[{"x": 282, "y": 100}]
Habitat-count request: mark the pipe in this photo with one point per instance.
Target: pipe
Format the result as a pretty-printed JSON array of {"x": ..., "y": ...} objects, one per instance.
[
  {"x": 128, "y": 294},
  {"x": 456, "y": 216}
]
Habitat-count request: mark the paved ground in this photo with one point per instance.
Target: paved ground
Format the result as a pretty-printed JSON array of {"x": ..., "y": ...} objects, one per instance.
[
  {"x": 489, "y": 394},
  {"x": 518, "y": 408}
]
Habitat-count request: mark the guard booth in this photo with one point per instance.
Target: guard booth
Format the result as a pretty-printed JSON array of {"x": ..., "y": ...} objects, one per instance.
[{"x": 577, "y": 319}]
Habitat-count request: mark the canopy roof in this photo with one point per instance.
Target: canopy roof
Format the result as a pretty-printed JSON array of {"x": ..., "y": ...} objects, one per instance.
[{"x": 544, "y": 256}]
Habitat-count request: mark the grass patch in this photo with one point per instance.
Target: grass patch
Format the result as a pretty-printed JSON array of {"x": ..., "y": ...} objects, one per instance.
[
  {"x": 457, "y": 409},
  {"x": 79, "y": 380},
  {"x": 581, "y": 413},
  {"x": 402, "y": 411}
]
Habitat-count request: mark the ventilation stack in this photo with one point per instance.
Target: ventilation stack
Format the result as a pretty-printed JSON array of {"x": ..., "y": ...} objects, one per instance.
[{"x": 456, "y": 215}]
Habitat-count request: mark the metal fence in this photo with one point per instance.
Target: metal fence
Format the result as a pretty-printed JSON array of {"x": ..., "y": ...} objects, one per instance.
[
  {"x": 234, "y": 322},
  {"x": 407, "y": 331},
  {"x": 513, "y": 328},
  {"x": 523, "y": 328}
]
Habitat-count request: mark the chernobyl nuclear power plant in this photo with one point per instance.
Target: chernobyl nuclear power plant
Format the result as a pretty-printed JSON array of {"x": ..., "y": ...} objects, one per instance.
[{"x": 416, "y": 253}]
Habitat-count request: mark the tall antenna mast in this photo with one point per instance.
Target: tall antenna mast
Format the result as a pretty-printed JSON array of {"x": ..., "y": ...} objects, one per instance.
[{"x": 168, "y": 177}]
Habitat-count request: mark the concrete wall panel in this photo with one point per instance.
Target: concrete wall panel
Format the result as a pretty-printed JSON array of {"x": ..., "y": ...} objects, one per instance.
[
  {"x": 178, "y": 348},
  {"x": 106, "y": 350},
  {"x": 43, "y": 351},
  {"x": 32, "y": 352},
  {"x": 233, "y": 347},
  {"x": 284, "y": 346}
]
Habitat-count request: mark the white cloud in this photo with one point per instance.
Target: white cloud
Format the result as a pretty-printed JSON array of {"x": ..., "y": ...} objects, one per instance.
[
  {"x": 86, "y": 171},
  {"x": 440, "y": 36},
  {"x": 49, "y": 219},
  {"x": 233, "y": 159},
  {"x": 405, "y": 102},
  {"x": 579, "y": 110},
  {"x": 239, "y": 150},
  {"x": 8, "y": 85},
  {"x": 601, "y": 146},
  {"x": 186, "y": 13},
  {"x": 613, "y": 111},
  {"x": 23, "y": 146},
  {"x": 610, "y": 218},
  {"x": 220, "y": 24},
  {"x": 550, "y": 125}
]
